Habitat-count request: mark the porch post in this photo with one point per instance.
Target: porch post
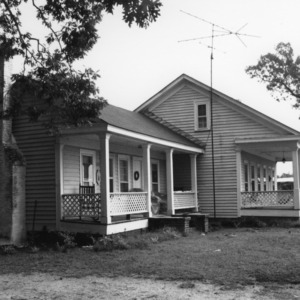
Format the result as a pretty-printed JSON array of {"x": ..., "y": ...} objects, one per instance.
[
  {"x": 170, "y": 182},
  {"x": 104, "y": 182},
  {"x": 296, "y": 168},
  {"x": 193, "y": 158},
  {"x": 238, "y": 179},
  {"x": 147, "y": 175}
]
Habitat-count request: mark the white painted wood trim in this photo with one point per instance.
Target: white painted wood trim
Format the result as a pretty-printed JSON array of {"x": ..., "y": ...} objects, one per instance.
[
  {"x": 61, "y": 178},
  {"x": 170, "y": 182},
  {"x": 155, "y": 161},
  {"x": 270, "y": 212},
  {"x": 89, "y": 153},
  {"x": 296, "y": 172},
  {"x": 205, "y": 102},
  {"x": 127, "y": 158},
  {"x": 238, "y": 179},
  {"x": 147, "y": 175},
  {"x": 153, "y": 140},
  {"x": 193, "y": 159},
  {"x": 104, "y": 169},
  {"x": 126, "y": 226}
]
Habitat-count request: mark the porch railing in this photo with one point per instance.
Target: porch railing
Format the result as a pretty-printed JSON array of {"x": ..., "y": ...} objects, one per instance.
[
  {"x": 184, "y": 200},
  {"x": 128, "y": 203},
  {"x": 267, "y": 199},
  {"x": 81, "y": 205}
]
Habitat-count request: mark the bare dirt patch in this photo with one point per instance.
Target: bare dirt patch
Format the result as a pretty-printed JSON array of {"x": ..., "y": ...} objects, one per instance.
[{"x": 46, "y": 286}]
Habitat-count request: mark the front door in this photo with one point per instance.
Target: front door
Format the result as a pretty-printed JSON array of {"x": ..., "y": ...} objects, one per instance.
[{"x": 137, "y": 173}]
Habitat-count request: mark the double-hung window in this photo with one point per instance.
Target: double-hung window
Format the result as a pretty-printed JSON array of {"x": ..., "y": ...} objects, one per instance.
[{"x": 202, "y": 115}]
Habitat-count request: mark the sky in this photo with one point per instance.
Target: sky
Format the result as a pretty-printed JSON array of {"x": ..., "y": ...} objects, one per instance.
[{"x": 136, "y": 63}]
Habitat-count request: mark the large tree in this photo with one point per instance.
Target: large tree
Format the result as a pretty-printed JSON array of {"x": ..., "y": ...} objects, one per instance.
[
  {"x": 58, "y": 92},
  {"x": 69, "y": 96},
  {"x": 280, "y": 71}
]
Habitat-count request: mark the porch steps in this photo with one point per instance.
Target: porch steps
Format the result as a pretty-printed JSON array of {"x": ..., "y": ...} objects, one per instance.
[
  {"x": 198, "y": 220},
  {"x": 182, "y": 222}
]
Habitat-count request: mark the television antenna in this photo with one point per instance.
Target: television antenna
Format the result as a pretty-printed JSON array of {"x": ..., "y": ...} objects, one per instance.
[{"x": 216, "y": 31}]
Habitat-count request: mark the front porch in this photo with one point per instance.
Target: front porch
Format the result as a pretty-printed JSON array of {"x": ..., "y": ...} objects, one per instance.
[
  {"x": 131, "y": 179},
  {"x": 259, "y": 194},
  {"x": 131, "y": 207}
]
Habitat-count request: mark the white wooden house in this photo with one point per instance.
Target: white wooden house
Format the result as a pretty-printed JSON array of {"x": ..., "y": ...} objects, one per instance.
[
  {"x": 247, "y": 146},
  {"x": 162, "y": 148}
]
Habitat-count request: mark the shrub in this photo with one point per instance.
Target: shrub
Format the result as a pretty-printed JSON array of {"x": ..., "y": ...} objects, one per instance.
[{"x": 8, "y": 250}]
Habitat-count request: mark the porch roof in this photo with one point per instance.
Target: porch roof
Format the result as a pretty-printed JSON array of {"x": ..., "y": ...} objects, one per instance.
[
  {"x": 141, "y": 124},
  {"x": 275, "y": 148}
]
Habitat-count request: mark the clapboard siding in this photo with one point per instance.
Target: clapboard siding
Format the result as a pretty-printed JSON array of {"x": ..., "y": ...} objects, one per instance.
[
  {"x": 39, "y": 151},
  {"x": 71, "y": 167},
  {"x": 228, "y": 124}
]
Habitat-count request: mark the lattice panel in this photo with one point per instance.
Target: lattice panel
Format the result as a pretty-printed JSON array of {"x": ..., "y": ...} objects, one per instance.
[
  {"x": 87, "y": 205},
  {"x": 128, "y": 203},
  {"x": 267, "y": 199},
  {"x": 184, "y": 200}
]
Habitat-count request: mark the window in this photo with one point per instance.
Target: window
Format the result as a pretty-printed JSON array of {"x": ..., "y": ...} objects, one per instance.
[
  {"x": 124, "y": 173},
  {"x": 155, "y": 176},
  {"x": 202, "y": 115},
  {"x": 252, "y": 178},
  {"x": 258, "y": 178},
  {"x": 111, "y": 175},
  {"x": 273, "y": 180},
  {"x": 265, "y": 178},
  {"x": 87, "y": 167}
]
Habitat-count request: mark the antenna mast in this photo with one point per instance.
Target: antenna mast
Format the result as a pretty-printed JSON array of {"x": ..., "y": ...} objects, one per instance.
[{"x": 222, "y": 32}]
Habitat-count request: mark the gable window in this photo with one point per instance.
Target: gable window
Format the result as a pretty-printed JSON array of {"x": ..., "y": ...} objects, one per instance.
[
  {"x": 124, "y": 173},
  {"x": 87, "y": 167},
  {"x": 202, "y": 115}
]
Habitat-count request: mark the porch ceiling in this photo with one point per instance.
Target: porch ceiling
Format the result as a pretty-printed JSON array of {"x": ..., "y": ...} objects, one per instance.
[
  {"x": 127, "y": 141},
  {"x": 274, "y": 148}
]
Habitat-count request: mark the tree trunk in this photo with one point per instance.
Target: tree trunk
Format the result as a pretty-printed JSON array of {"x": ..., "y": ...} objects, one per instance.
[
  {"x": 5, "y": 165},
  {"x": 18, "y": 232}
]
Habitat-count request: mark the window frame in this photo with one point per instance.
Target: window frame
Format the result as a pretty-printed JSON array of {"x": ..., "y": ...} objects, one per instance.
[
  {"x": 196, "y": 116},
  {"x": 90, "y": 153}
]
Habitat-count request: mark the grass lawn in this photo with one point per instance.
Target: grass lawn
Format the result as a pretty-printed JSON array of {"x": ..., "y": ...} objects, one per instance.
[{"x": 227, "y": 256}]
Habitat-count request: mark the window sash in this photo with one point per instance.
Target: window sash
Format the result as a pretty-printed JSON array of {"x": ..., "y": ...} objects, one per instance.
[{"x": 202, "y": 115}]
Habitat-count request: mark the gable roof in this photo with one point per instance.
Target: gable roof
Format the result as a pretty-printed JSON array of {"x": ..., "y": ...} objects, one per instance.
[
  {"x": 141, "y": 124},
  {"x": 236, "y": 104}
]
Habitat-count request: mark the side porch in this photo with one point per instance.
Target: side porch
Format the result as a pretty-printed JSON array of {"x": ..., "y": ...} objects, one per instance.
[{"x": 259, "y": 193}]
